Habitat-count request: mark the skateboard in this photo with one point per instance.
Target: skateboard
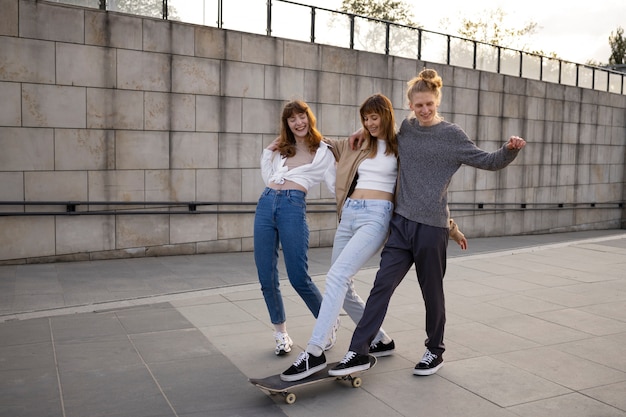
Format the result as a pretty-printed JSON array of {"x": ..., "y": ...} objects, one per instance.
[{"x": 274, "y": 385}]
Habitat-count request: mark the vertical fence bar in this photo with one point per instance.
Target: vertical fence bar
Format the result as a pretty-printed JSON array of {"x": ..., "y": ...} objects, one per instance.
[
  {"x": 419, "y": 44},
  {"x": 268, "y": 29},
  {"x": 499, "y": 67},
  {"x": 387, "y": 31},
  {"x": 448, "y": 47},
  {"x": 220, "y": 14},
  {"x": 474, "y": 59},
  {"x": 103, "y": 5},
  {"x": 351, "y": 31},
  {"x": 593, "y": 78},
  {"x": 312, "y": 24},
  {"x": 541, "y": 68},
  {"x": 165, "y": 11},
  {"x": 521, "y": 63}
]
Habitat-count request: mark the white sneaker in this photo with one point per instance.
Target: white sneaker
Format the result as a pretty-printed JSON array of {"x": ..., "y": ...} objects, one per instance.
[
  {"x": 333, "y": 336},
  {"x": 283, "y": 343}
]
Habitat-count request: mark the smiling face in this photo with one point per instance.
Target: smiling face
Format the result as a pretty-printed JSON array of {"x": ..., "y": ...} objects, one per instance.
[
  {"x": 372, "y": 122},
  {"x": 299, "y": 125},
  {"x": 424, "y": 106}
]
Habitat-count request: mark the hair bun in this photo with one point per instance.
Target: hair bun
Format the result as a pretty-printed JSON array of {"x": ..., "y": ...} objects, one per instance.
[
  {"x": 431, "y": 76},
  {"x": 428, "y": 74}
]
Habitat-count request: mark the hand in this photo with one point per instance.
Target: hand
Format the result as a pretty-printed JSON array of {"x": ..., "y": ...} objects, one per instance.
[
  {"x": 457, "y": 235},
  {"x": 462, "y": 243},
  {"x": 356, "y": 139},
  {"x": 515, "y": 142},
  {"x": 274, "y": 145}
]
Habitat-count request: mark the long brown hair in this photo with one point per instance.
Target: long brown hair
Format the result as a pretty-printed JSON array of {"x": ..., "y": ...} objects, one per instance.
[
  {"x": 287, "y": 142},
  {"x": 380, "y": 105}
]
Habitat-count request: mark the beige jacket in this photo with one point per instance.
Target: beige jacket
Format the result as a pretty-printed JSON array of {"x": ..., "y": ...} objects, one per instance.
[
  {"x": 347, "y": 166},
  {"x": 348, "y": 163}
]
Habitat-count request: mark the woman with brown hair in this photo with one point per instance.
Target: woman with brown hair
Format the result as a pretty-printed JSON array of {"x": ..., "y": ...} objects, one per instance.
[{"x": 297, "y": 160}]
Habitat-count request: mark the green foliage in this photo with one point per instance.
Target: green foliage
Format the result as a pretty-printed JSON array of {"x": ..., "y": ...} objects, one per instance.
[
  {"x": 389, "y": 10},
  {"x": 370, "y": 36},
  {"x": 617, "y": 41},
  {"x": 490, "y": 28}
]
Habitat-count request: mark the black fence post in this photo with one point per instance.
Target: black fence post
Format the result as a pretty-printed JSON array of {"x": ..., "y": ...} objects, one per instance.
[
  {"x": 220, "y": 14},
  {"x": 387, "y": 34},
  {"x": 419, "y": 44},
  {"x": 312, "y": 24},
  {"x": 351, "y": 31},
  {"x": 475, "y": 58},
  {"x": 268, "y": 29}
]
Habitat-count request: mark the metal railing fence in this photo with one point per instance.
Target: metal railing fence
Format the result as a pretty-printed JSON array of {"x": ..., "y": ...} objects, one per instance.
[
  {"x": 332, "y": 27},
  {"x": 73, "y": 208}
]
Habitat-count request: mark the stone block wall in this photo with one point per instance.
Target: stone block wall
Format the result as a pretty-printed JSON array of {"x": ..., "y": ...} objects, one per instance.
[{"x": 114, "y": 109}]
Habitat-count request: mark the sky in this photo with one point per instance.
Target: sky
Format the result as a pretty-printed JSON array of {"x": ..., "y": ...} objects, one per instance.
[{"x": 575, "y": 30}]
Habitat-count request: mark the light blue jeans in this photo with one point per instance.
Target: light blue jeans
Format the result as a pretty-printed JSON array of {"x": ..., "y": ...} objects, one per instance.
[
  {"x": 361, "y": 233},
  {"x": 280, "y": 219}
]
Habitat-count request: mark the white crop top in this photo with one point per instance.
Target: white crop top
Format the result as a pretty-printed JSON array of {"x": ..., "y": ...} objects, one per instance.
[{"x": 378, "y": 173}]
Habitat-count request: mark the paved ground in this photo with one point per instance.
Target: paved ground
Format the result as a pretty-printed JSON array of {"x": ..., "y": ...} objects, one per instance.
[{"x": 536, "y": 327}]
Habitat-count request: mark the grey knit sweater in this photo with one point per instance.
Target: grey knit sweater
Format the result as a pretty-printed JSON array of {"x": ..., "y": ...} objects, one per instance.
[{"x": 429, "y": 156}]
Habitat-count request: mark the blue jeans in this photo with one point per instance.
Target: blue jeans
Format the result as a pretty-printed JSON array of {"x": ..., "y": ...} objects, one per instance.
[
  {"x": 361, "y": 233},
  {"x": 280, "y": 218}
]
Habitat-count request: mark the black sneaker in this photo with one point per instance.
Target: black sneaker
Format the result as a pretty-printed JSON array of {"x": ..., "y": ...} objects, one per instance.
[
  {"x": 381, "y": 349},
  {"x": 305, "y": 365},
  {"x": 350, "y": 363},
  {"x": 429, "y": 364}
]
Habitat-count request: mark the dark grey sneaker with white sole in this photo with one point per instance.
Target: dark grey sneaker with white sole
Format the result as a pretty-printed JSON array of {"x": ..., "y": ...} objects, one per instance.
[
  {"x": 380, "y": 349},
  {"x": 306, "y": 365},
  {"x": 350, "y": 363},
  {"x": 429, "y": 364}
]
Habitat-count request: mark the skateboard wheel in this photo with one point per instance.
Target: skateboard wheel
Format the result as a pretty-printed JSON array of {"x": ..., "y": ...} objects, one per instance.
[
  {"x": 356, "y": 382},
  {"x": 290, "y": 398}
]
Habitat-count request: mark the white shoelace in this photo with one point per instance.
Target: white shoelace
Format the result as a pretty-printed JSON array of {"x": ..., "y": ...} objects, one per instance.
[
  {"x": 428, "y": 357},
  {"x": 348, "y": 357},
  {"x": 303, "y": 356}
]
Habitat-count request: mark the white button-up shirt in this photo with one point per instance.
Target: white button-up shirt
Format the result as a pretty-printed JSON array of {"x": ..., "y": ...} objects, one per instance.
[{"x": 273, "y": 169}]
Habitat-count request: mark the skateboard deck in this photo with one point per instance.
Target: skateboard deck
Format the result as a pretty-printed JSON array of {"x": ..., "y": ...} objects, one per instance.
[{"x": 274, "y": 385}]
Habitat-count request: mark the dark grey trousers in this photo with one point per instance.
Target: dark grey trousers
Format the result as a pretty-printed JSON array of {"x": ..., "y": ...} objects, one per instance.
[{"x": 409, "y": 243}]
